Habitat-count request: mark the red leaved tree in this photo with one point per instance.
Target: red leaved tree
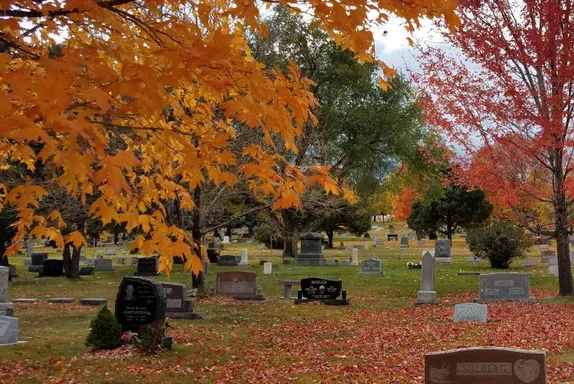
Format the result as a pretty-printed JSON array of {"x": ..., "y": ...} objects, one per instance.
[{"x": 507, "y": 98}]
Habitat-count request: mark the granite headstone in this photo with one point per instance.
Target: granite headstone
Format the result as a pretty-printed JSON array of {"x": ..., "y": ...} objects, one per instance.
[
  {"x": 481, "y": 365},
  {"x": 504, "y": 286},
  {"x": 139, "y": 302},
  {"x": 371, "y": 267},
  {"x": 470, "y": 312}
]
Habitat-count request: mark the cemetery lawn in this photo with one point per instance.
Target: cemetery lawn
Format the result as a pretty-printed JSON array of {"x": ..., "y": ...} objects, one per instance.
[{"x": 380, "y": 337}]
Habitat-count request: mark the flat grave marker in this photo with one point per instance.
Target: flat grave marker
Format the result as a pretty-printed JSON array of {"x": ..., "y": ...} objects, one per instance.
[{"x": 470, "y": 312}]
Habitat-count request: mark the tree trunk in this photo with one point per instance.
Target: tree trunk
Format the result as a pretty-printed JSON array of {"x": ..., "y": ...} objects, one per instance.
[
  {"x": 562, "y": 246},
  {"x": 290, "y": 246},
  {"x": 198, "y": 281},
  {"x": 330, "y": 234},
  {"x": 71, "y": 257}
]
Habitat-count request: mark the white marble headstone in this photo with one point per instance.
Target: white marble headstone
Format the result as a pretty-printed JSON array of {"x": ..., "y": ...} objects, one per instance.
[
  {"x": 267, "y": 268},
  {"x": 354, "y": 256},
  {"x": 244, "y": 257}
]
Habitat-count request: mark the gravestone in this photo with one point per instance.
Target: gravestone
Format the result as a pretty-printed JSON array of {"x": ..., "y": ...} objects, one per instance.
[
  {"x": 12, "y": 272},
  {"x": 311, "y": 250},
  {"x": 442, "y": 248},
  {"x": 331, "y": 262},
  {"x": 94, "y": 301},
  {"x": 86, "y": 271},
  {"x": 110, "y": 251},
  {"x": 52, "y": 268},
  {"x": 504, "y": 286},
  {"x": 147, "y": 266},
  {"x": 244, "y": 257},
  {"x": 227, "y": 261},
  {"x": 530, "y": 262},
  {"x": 427, "y": 293},
  {"x": 213, "y": 254},
  {"x": 553, "y": 270},
  {"x": 241, "y": 285},
  {"x": 6, "y": 308},
  {"x": 326, "y": 291},
  {"x": 139, "y": 302},
  {"x": 470, "y": 312},
  {"x": 226, "y": 240},
  {"x": 472, "y": 260},
  {"x": 392, "y": 236},
  {"x": 177, "y": 305},
  {"x": 8, "y": 330},
  {"x": 267, "y": 268},
  {"x": 552, "y": 261},
  {"x": 480, "y": 365},
  {"x": 354, "y": 256},
  {"x": 547, "y": 255},
  {"x": 104, "y": 265},
  {"x": 371, "y": 267},
  {"x": 404, "y": 242},
  {"x": 39, "y": 258}
]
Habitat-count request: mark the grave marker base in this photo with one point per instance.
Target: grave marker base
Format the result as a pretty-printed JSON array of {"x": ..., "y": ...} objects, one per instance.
[
  {"x": 426, "y": 297},
  {"x": 184, "y": 315},
  {"x": 342, "y": 301}
]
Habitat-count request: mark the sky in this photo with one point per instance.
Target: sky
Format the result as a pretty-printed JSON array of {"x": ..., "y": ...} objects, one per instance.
[{"x": 393, "y": 48}]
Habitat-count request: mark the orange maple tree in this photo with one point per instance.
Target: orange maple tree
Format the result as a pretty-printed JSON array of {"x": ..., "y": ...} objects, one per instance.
[
  {"x": 133, "y": 102},
  {"x": 508, "y": 101}
]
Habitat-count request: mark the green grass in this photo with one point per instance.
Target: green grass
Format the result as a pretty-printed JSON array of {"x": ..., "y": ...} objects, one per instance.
[{"x": 233, "y": 335}]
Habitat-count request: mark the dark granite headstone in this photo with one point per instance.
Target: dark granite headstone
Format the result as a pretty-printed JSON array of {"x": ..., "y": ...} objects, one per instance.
[
  {"x": 53, "y": 268},
  {"x": 86, "y": 271},
  {"x": 147, "y": 266},
  {"x": 178, "y": 260},
  {"x": 39, "y": 258},
  {"x": 227, "y": 261},
  {"x": 442, "y": 248},
  {"x": 319, "y": 289},
  {"x": 311, "y": 252},
  {"x": 478, "y": 365},
  {"x": 213, "y": 253},
  {"x": 139, "y": 302}
]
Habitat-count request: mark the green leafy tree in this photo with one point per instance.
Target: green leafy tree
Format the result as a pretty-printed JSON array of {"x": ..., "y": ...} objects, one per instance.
[
  {"x": 500, "y": 242},
  {"x": 351, "y": 217},
  {"x": 457, "y": 208},
  {"x": 363, "y": 132}
]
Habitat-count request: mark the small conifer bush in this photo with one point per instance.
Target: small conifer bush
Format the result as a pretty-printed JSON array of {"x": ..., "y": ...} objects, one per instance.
[{"x": 105, "y": 331}]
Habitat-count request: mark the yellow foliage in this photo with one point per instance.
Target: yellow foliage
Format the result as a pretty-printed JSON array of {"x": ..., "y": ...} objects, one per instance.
[{"x": 128, "y": 108}]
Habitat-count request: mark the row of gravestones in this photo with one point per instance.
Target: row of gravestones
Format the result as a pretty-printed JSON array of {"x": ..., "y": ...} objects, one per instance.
[
  {"x": 146, "y": 266},
  {"x": 141, "y": 302},
  {"x": 492, "y": 286}
]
